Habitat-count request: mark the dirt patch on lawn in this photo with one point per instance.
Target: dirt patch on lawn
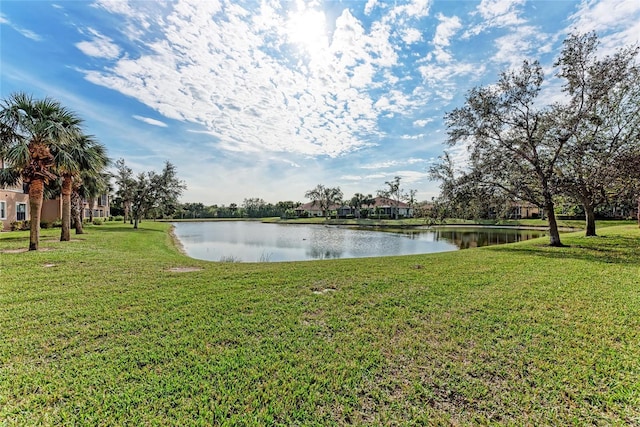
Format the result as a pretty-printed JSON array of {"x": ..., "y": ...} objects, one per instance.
[
  {"x": 184, "y": 269},
  {"x": 22, "y": 250}
]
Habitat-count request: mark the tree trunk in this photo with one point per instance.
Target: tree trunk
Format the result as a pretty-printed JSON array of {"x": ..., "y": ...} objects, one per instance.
[
  {"x": 590, "y": 217},
  {"x": 65, "y": 234},
  {"x": 554, "y": 234},
  {"x": 91, "y": 202},
  {"x": 76, "y": 203},
  {"x": 638, "y": 211},
  {"x": 36, "y": 195}
]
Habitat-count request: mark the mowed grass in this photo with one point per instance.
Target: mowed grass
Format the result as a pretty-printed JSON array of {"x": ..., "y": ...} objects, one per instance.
[{"x": 100, "y": 331}]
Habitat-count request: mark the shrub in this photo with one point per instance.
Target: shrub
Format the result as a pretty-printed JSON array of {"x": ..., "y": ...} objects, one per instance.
[
  {"x": 46, "y": 224},
  {"x": 17, "y": 225},
  {"x": 119, "y": 218},
  {"x": 97, "y": 221}
]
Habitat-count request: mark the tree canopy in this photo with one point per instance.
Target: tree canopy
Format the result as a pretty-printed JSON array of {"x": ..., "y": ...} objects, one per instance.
[{"x": 534, "y": 151}]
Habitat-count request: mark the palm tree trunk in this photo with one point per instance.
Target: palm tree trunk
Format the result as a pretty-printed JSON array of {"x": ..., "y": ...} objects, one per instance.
[
  {"x": 76, "y": 202},
  {"x": 67, "y": 186},
  {"x": 36, "y": 195},
  {"x": 91, "y": 203}
]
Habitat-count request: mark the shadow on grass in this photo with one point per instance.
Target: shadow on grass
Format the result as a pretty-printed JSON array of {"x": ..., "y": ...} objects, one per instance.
[
  {"x": 14, "y": 238},
  {"x": 605, "y": 249},
  {"x": 125, "y": 228}
]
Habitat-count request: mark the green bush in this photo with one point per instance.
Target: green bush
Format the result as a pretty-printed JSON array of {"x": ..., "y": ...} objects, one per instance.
[
  {"x": 98, "y": 221},
  {"x": 46, "y": 224},
  {"x": 20, "y": 225},
  {"x": 119, "y": 218}
]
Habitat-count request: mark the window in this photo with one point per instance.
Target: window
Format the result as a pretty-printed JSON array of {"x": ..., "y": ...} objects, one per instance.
[
  {"x": 3, "y": 210},
  {"x": 102, "y": 200},
  {"x": 21, "y": 212}
]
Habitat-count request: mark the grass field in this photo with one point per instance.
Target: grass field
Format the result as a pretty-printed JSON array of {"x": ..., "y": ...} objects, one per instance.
[{"x": 117, "y": 327}]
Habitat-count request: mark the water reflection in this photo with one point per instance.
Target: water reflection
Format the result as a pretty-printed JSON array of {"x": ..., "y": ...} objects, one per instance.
[
  {"x": 465, "y": 238},
  {"x": 257, "y": 242}
]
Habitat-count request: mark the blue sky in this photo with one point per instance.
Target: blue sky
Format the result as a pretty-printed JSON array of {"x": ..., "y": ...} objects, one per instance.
[{"x": 270, "y": 98}]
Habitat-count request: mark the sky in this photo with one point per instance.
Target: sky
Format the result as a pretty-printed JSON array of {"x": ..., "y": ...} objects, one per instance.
[{"x": 267, "y": 99}]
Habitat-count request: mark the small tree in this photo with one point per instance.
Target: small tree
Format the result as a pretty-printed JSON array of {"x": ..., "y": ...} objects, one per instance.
[
  {"x": 157, "y": 193},
  {"x": 126, "y": 184},
  {"x": 167, "y": 189}
]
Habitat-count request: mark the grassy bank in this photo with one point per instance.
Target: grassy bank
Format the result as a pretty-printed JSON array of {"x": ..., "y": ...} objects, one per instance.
[{"x": 114, "y": 329}]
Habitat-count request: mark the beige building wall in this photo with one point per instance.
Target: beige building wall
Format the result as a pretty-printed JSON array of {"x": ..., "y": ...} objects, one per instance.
[
  {"x": 51, "y": 210},
  {"x": 14, "y": 206}
]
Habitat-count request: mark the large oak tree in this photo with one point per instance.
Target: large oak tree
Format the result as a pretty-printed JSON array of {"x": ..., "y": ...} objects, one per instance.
[
  {"x": 513, "y": 142},
  {"x": 603, "y": 117}
]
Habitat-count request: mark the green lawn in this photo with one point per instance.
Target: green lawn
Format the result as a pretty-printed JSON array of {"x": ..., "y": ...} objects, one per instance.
[{"x": 100, "y": 331}]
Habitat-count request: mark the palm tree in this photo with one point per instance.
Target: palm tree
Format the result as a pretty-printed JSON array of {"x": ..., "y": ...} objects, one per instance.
[
  {"x": 89, "y": 185},
  {"x": 31, "y": 129},
  {"x": 356, "y": 202},
  {"x": 83, "y": 158}
]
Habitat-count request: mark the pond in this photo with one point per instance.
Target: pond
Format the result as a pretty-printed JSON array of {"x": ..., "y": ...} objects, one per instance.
[{"x": 251, "y": 241}]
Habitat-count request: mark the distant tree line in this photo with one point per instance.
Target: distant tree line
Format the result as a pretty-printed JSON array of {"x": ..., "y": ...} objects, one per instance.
[
  {"x": 322, "y": 196},
  {"x": 250, "y": 208}
]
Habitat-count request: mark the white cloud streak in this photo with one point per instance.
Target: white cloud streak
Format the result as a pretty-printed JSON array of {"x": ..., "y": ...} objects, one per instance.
[
  {"x": 25, "y": 32},
  {"x": 99, "y": 46},
  {"x": 150, "y": 121}
]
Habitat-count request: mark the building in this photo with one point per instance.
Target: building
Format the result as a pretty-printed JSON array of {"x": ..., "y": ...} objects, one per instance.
[
  {"x": 52, "y": 209},
  {"x": 14, "y": 204},
  {"x": 521, "y": 210},
  {"x": 383, "y": 206}
]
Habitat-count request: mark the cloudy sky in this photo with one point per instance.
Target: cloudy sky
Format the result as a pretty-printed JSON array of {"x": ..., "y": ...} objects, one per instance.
[{"x": 270, "y": 98}]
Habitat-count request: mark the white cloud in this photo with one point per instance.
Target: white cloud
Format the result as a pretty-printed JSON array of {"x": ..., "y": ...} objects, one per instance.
[
  {"x": 518, "y": 45},
  {"x": 620, "y": 17},
  {"x": 411, "y": 35},
  {"x": 100, "y": 46},
  {"x": 497, "y": 14},
  {"x": 150, "y": 121},
  {"x": 446, "y": 29},
  {"x": 315, "y": 100},
  {"x": 444, "y": 77},
  {"x": 371, "y": 4},
  {"x": 413, "y": 9},
  {"x": 393, "y": 163},
  {"x": 501, "y": 12},
  {"x": 422, "y": 122},
  {"x": 25, "y": 33}
]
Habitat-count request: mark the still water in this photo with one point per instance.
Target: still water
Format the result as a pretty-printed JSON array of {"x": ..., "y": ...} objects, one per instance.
[{"x": 246, "y": 241}]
